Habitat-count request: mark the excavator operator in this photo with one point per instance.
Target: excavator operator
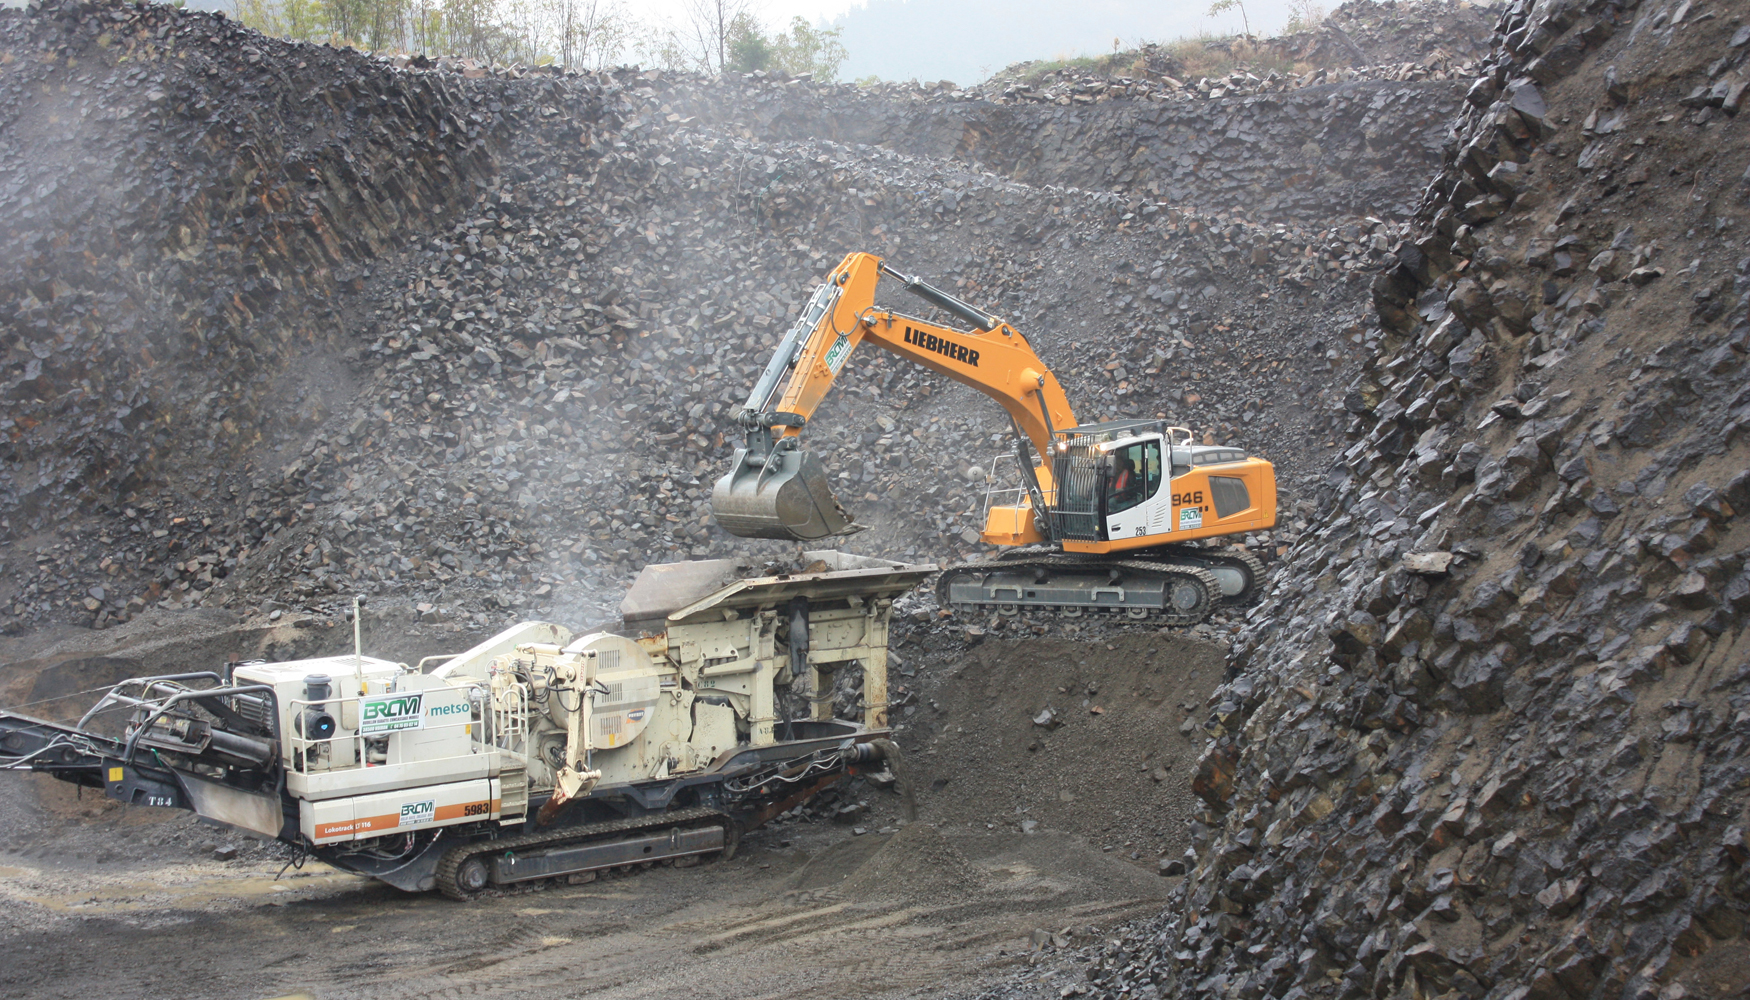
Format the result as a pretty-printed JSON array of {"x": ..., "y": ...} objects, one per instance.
[{"x": 1125, "y": 486}]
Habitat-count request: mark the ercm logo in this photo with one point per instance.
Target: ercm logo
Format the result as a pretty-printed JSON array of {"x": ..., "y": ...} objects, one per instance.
[
  {"x": 390, "y": 713},
  {"x": 391, "y": 709}
]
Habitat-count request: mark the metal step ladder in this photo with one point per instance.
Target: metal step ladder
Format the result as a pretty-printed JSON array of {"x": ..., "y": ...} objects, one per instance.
[{"x": 513, "y": 793}]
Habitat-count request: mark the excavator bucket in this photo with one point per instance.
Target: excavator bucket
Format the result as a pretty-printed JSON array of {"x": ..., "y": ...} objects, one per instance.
[{"x": 784, "y": 497}]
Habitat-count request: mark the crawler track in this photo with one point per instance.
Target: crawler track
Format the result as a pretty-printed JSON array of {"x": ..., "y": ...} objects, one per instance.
[
  {"x": 1196, "y": 581},
  {"x": 1181, "y": 568},
  {"x": 1232, "y": 556},
  {"x": 450, "y": 865}
]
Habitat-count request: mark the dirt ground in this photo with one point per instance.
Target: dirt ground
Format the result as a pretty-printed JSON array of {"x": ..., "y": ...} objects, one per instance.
[
  {"x": 778, "y": 920},
  {"x": 1032, "y": 839}
]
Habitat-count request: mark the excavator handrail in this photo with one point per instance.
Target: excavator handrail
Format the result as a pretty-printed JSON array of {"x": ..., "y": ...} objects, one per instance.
[{"x": 1009, "y": 495}]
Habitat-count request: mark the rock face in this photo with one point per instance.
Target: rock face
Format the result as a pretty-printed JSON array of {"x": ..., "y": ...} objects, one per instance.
[
  {"x": 284, "y": 323},
  {"x": 1487, "y": 736},
  {"x": 1358, "y": 147},
  {"x": 1433, "y": 37}
]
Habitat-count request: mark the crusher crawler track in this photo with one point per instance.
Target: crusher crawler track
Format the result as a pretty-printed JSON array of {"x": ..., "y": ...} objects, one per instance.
[
  {"x": 1169, "y": 586},
  {"x": 466, "y": 870}
]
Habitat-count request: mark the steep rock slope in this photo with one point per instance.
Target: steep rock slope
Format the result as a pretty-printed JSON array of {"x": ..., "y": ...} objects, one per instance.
[
  {"x": 180, "y": 191},
  {"x": 469, "y": 339},
  {"x": 1488, "y": 734},
  {"x": 1330, "y": 149}
]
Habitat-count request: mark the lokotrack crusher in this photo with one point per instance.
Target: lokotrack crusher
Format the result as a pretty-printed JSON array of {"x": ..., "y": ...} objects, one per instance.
[{"x": 537, "y": 754}]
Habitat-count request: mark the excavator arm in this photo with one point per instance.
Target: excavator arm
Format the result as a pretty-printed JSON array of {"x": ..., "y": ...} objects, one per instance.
[{"x": 774, "y": 489}]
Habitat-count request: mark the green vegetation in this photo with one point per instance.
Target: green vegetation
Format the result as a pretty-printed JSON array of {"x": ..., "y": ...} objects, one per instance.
[
  {"x": 575, "y": 33},
  {"x": 712, "y": 35},
  {"x": 1303, "y": 15},
  {"x": 802, "y": 49},
  {"x": 1191, "y": 59}
]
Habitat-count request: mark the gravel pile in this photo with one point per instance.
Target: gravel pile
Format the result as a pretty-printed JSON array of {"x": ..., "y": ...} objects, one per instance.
[
  {"x": 916, "y": 862},
  {"x": 1432, "y": 36},
  {"x": 1312, "y": 155},
  {"x": 1360, "y": 40}
]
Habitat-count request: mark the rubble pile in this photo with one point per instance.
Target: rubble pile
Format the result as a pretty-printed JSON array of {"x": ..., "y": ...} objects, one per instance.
[
  {"x": 283, "y": 323},
  {"x": 1330, "y": 149},
  {"x": 1073, "y": 85},
  {"x": 1433, "y": 36},
  {"x": 470, "y": 339},
  {"x": 551, "y": 404},
  {"x": 1424, "y": 40},
  {"x": 1488, "y": 733},
  {"x": 180, "y": 201}
]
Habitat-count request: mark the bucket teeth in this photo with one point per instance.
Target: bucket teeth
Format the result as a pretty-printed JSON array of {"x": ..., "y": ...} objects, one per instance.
[{"x": 785, "y": 497}]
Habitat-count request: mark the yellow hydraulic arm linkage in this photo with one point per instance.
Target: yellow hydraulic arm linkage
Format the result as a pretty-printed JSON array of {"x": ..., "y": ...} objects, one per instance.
[{"x": 774, "y": 489}]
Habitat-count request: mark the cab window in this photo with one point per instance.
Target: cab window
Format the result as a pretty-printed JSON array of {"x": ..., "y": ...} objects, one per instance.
[{"x": 1134, "y": 476}]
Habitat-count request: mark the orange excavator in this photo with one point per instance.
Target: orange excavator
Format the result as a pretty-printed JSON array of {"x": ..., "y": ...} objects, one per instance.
[{"x": 1111, "y": 518}]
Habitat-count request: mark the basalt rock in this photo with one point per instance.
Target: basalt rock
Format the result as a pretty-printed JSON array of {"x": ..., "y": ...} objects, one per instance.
[{"x": 1516, "y": 835}]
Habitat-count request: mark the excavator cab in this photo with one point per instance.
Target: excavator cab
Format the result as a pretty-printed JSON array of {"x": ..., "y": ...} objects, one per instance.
[
  {"x": 1106, "y": 479},
  {"x": 1127, "y": 484}
]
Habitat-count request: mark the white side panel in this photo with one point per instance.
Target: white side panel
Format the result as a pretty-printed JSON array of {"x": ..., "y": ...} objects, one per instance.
[
  {"x": 364, "y": 816},
  {"x": 445, "y": 723},
  {"x": 1160, "y": 510},
  {"x": 359, "y": 780}
]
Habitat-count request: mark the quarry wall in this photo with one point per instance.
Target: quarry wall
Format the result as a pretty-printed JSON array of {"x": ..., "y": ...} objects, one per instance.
[{"x": 1487, "y": 736}]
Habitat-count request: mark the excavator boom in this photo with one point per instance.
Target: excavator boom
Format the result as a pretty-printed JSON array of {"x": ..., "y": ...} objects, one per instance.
[{"x": 774, "y": 489}]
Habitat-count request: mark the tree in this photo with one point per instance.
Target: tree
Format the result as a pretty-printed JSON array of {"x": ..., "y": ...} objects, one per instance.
[
  {"x": 299, "y": 20},
  {"x": 748, "y": 48},
  {"x": 799, "y": 50},
  {"x": 589, "y": 33},
  {"x": 1220, "y": 7},
  {"x": 474, "y": 30},
  {"x": 809, "y": 50},
  {"x": 576, "y": 33},
  {"x": 704, "y": 39}
]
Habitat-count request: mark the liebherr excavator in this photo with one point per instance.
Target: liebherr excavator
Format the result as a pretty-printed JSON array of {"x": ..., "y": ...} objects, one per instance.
[{"x": 1112, "y": 518}]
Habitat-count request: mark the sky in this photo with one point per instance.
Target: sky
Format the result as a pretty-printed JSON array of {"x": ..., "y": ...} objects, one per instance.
[{"x": 967, "y": 40}]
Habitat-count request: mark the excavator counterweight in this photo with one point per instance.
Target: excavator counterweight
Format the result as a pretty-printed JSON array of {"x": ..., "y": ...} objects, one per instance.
[{"x": 1115, "y": 518}]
